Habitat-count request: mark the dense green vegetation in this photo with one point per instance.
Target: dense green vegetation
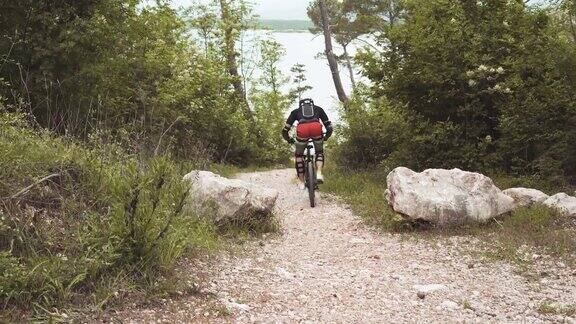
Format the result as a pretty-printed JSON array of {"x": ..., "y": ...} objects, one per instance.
[
  {"x": 486, "y": 86},
  {"x": 104, "y": 106},
  {"x": 114, "y": 70},
  {"x": 82, "y": 225},
  {"x": 481, "y": 85}
]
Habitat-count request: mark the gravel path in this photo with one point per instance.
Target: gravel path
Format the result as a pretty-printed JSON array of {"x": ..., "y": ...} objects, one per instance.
[{"x": 326, "y": 266}]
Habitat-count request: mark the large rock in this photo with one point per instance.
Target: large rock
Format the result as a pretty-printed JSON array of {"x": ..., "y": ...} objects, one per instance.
[
  {"x": 232, "y": 199},
  {"x": 562, "y": 202},
  {"x": 524, "y": 197},
  {"x": 446, "y": 197}
]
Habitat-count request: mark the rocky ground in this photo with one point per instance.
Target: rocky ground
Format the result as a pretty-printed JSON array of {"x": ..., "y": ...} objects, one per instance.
[{"x": 326, "y": 266}]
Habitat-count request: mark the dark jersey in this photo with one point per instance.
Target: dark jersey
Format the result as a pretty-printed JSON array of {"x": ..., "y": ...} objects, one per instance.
[{"x": 297, "y": 116}]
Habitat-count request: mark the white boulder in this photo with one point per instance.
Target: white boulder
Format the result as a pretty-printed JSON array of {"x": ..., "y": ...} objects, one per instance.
[
  {"x": 231, "y": 199},
  {"x": 525, "y": 197},
  {"x": 446, "y": 197},
  {"x": 562, "y": 202}
]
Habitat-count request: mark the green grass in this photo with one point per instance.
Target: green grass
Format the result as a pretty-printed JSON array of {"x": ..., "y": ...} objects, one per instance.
[
  {"x": 548, "y": 308},
  {"x": 364, "y": 192},
  {"x": 84, "y": 228},
  {"x": 466, "y": 304},
  {"x": 539, "y": 227}
]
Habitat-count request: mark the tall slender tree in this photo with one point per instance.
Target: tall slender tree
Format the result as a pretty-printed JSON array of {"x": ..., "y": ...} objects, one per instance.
[
  {"x": 332, "y": 59},
  {"x": 231, "y": 23}
]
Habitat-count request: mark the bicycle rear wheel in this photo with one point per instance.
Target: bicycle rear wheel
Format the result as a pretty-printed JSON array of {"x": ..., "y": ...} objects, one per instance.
[{"x": 311, "y": 183}]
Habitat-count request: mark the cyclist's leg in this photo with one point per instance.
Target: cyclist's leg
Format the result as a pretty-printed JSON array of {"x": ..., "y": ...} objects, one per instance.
[
  {"x": 299, "y": 158},
  {"x": 319, "y": 148}
]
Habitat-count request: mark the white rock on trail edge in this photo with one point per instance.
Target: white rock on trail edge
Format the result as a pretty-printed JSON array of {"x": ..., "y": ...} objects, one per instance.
[
  {"x": 563, "y": 203},
  {"x": 427, "y": 289},
  {"x": 446, "y": 197},
  {"x": 284, "y": 273},
  {"x": 450, "y": 305},
  {"x": 230, "y": 199},
  {"x": 232, "y": 305},
  {"x": 525, "y": 197}
]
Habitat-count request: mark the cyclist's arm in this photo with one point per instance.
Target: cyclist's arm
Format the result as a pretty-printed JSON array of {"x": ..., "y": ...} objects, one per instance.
[{"x": 289, "y": 122}]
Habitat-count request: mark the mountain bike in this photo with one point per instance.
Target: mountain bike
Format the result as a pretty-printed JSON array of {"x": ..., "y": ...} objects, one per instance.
[{"x": 310, "y": 180}]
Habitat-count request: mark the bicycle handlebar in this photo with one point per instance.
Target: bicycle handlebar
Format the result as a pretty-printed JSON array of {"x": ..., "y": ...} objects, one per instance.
[{"x": 310, "y": 140}]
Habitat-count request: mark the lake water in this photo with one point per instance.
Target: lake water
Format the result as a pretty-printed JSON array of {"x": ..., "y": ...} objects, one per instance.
[{"x": 303, "y": 48}]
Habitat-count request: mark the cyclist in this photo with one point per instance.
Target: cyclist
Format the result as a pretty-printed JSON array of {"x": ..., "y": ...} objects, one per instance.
[{"x": 309, "y": 127}]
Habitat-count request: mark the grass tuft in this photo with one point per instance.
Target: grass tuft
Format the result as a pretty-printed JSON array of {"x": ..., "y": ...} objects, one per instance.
[
  {"x": 548, "y": 308},
  {"x": 364, "y": 192}
]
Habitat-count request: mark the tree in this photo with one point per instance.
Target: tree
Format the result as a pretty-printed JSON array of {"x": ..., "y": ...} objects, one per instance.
[
  {"x": 299, "y": 72},
  {"x": 484, "y": 85},
  {"x": 204, "y": 20},
  {"x": 270, "y": 104},
  {"x": 120, "y": 72},
  {"x": 271, "y": 52},
  {"x": 350, "y": 20},
  {"x": 343, "y": 31},
  {"x": 329, "y": 52},
  {"x": 233, "y": 21}
]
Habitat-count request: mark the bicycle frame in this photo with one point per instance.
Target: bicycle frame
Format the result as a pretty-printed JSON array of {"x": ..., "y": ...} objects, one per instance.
[{"x": 310, "y": 174}]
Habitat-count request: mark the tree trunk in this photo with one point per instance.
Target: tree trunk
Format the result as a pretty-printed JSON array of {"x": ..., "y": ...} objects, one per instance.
[
  {"x": 572, "y": 18},
  {"x": 332, "y": 61},
  {"x": 349, "y": 65},
  {"x": 230, "y": 52}
]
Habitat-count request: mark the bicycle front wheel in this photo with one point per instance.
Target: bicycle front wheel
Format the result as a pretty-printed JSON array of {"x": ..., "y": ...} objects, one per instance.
[{"x": 311, "y": 184}]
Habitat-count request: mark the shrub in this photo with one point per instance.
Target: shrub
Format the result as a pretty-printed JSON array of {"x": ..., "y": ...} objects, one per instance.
[
  {"x": 85, "y": 216},
  {"x": 483, "y": 85},
  {"x": 372, "y": 132}
]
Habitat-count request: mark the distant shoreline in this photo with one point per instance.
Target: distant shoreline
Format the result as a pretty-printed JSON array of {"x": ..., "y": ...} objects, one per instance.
[{"x": 290, "y": 26}]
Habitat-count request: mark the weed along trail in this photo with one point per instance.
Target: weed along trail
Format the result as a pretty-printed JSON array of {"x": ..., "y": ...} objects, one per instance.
[{"x": 327, "y": 266}]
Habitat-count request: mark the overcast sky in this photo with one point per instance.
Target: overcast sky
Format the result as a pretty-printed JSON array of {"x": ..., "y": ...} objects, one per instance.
[{"x": 272, "y": 9}]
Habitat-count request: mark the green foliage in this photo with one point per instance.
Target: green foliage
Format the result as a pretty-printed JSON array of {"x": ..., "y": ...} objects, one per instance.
[
  {"x": 270, "y": 104},
  {"x": 299, "y": 82},
  {"x": 481, "y": 85},
  {"x": 130, "y": 74},
  {"x": 100, "y": 214},
  {"x": 349, "y": 19},
  {"x": 372, "y": 133}
]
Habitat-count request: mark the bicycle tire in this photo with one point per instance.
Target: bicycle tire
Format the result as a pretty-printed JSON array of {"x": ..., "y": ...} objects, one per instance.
[{"x": 311, "y": 184}]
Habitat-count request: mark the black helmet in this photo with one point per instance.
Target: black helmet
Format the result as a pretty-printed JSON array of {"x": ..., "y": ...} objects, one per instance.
[{"x": 306, "y": 101}]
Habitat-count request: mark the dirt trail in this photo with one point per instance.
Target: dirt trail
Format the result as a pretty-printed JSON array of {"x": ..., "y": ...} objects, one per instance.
[{"x": 326, "y": 266}]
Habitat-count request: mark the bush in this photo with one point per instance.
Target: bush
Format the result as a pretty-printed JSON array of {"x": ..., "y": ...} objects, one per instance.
[
  {"x": 373, "y": 131},
  {"x": 482, "y": 85},
  {"x": 126, "y": 73},
  {"x": 74, "y": 218}
]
